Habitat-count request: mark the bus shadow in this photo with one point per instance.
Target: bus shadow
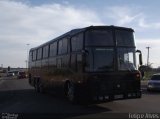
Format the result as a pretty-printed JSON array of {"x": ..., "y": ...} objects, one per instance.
[{"x": 29, "y": 104}]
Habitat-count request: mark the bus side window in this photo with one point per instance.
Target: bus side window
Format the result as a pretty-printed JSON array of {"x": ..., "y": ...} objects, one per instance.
[
  {"x": 73, "y": 62},
  {"x": 60, "y": 46},
  {"x": 30, "y": 56},
  {"x": 79, "y": 63},
  {"x": 65, "y": 61},
  {"x": 34, "y": 55},
  {"x": 39, "y": 54},
  {"x": 30, "y": 59},
  {"x": 45, "y": 51},
  {"x": 59, "y": 63},
  {"x": 53, "y": 49},
  {"x": 77, "y": 42}
]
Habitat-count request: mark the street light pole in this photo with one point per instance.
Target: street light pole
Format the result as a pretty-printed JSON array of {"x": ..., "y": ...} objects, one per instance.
[
  {"x": 2, "y": 66},
  {"x": 148, "y": 55},
  {"x": 27, "y": 55}
]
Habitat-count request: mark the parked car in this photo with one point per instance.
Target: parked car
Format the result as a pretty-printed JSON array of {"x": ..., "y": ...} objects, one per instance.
[
  {"x": 21, "y": 75},
  {"x": 154, "y": 83},
  {"x": 10, "y": 74}
]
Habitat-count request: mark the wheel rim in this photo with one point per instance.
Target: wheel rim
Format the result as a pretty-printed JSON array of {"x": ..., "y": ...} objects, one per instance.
[
  {"x": 40, "y": 88},
  {"x": 36, "y": 87},
  {"x": 70, "y": 92}
]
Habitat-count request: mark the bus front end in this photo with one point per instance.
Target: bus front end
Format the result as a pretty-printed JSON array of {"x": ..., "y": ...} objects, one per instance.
[{"x": 110, "y": 64}]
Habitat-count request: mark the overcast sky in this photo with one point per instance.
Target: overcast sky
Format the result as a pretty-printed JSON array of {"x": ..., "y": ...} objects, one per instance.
[{"x": 37, "y": 21}]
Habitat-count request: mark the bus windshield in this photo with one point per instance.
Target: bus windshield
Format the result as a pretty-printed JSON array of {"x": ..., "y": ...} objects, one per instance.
[
  {"x": 99, "y": 38},
  {"x": 124, "y": 38},
  {"x": 103, "y": 47},
  {"x": 126, "y": 59},
  {"x": 100, "y": 59}
]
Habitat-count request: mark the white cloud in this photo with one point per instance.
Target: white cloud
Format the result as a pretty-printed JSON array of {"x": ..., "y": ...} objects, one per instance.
[
  {"x": 130, "y": 17},
  {"x": 22, "y": 23},
  {"x": 122, "y": 15},
  {"x": 144, "y": 24}
]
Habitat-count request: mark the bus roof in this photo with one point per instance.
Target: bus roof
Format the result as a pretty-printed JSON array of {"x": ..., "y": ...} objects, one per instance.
[{"x": 75, "y": 31}]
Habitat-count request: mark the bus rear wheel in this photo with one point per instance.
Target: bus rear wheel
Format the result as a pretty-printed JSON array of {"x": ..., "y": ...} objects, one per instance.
[
  {"x": 41, "y": 88},
  {"x": 37, "y": 86}
]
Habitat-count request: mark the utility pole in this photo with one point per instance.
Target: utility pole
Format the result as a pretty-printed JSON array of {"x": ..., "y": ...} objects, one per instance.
[
  {"x": 1, "y": 68},
  {"x": 148, "y": 55},
  {"x": 27, "y": 56}
]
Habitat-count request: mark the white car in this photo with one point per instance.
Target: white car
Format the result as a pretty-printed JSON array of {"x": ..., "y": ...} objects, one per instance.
[{"x": 154, "y": 83}]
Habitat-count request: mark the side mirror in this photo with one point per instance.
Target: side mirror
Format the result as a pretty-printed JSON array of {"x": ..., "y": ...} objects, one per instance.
[{"x": 140, "y": 57}]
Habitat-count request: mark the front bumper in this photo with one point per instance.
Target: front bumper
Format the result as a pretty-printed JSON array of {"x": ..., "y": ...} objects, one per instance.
[
  {"x": 118, "y": 96},
  {"x": 103, "y": 90}
]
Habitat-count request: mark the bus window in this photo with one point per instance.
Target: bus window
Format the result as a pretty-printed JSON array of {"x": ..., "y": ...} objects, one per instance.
[
  {"x": 103, "y": 59},
  {"x": 62, "y": 46},
  {"x": 126, "y": 59},
  {"x": 45, "y": 51},
  {"x": 79, "y": 63},
  {"x": 53, "y": 49},
  {"x": 30, "y": 56},
  {"x": 99, "y": 38},
  {"x": 124, "y": 38},
  {"x": 65, "y": 61},
  {"x": 39, "y": 53},
  {"x": 73, "y": 62},
  {"x": 34, "y": 55},
  {"x": 100, "y": 59},
  {"x": 77, "y": 42},
  {"x": 59, "y": 63}
]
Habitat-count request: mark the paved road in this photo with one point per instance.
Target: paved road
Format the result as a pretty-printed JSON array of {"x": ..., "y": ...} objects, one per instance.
[{"x": 18, "y": 97}]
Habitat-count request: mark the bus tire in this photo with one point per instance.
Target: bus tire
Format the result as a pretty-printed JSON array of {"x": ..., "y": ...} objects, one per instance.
[
  {"x": 30, "y": 79},
  {"x": 70, "y": 92},
  {"x": 37, "y": 85},
  {"x": 41, "y": 87}
]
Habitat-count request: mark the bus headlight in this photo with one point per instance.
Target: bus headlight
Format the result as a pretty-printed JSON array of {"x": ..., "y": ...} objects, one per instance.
[{"x": 138, "y": 75}]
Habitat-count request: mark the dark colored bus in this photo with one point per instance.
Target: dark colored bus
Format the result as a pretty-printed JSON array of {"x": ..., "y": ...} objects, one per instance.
[{"x": 96, "y": 63}]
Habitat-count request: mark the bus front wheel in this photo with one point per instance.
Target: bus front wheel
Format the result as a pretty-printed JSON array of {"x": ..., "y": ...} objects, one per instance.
[{"x": 39, "y": 86}]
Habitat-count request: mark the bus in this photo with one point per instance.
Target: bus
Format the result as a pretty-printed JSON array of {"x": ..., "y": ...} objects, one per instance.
[{"x": 95, "y": 63}]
